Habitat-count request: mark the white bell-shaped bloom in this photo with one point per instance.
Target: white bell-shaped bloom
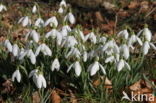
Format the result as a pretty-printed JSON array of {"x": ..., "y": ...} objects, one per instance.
[
  {"x": 15, "y": 50},
  {"x": 34, "y": 35},
  {"x": 52, "y": 21},
  {"x": 93, "y": 68},
  {"x": 65, "y": 30},
  {"x": 8, "y": 45},
  {"x": 110, "y": 59},
  {"x": 146, "y": 48},
  {"x": 33, "y": 72},
  {"x": 69, "y": 41},
  {"x": 76, "y": 65},
  {"x": 39, "y": 81},
  {"x": 153, "y": 46},
  {"x": 70, "y": 17},
  {"x": 134, "y": 39},
  {"x": 85, "y": 56},
  {"x": 60, "y": 10},
  {"x": 92, "y": 37},
  {"x": 44, "y": 49},
  {"x": 16, "y": 75},
  {"x": 124, "y": 49},
  {"x": 31, "y": 56},
  {"x": 25, "y": 21},
  {"x": 2, "y": 7},
  {"x": 146, "y": 33},
  {"x": 39, "y": 22},
  {"x": 102, "y": 40},
  {"x": 124, "y": 34},
  {"x": 55, "y": 65},
  {"x": 63, "y": 3},
  {"x": 74, "y": 52},
  {"x": 121, "y": 64},
  {"x": 81, "y": 35},
  {"x": 34, "y": 9},
  {"x": 52, "y": 33}
]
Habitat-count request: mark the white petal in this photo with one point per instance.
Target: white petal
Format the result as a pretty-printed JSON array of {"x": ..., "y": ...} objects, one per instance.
[
  {"x": 55, "y": 65},
  {"x": 120, "y": 65},
  {"x": 102, "y": 68},
  {"x": 146, "y": 47},
  {"x": 153, "y": 46},
  {"x": 94, "y": 68},
  {"x": 77, "y": 68},
  {"x": 127, "y": 65}
]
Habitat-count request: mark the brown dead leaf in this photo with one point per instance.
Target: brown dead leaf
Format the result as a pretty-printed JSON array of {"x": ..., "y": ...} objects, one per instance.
[
  {"x": 136, "y": 86},
  {"x": 36, "y": 97},
  {"x": 108, "y": 83},
  {"x": 72, "y": 97},
  {"x": 99, "y": 16},
  {"x": 133, "y": 5},
  {"x": 55, "y": 98},
  {"x": 122, "y": 13},
  {"x": 7, "y": 87}
]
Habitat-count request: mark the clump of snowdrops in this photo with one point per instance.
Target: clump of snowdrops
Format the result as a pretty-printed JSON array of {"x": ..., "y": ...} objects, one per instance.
[{"x": 65, "y": 52}]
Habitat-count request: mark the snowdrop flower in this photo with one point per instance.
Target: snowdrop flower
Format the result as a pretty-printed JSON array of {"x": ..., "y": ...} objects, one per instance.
[
  {"x": 34, "y": 35},
  {"x": 15, "y": 50},
  {"x": 146, "y": 48},
  {"x": 33, "y": 72},
  {"x": 124, "y": 34},
  {"x": 70, "y": 17},
  {"x": 65, "y": 30},
  {"x": 93, "y": 68},
  {"x": 146, "y": 33},
  {"x": 134, "y": 39},
  {"x": 16, "y": 75},
  {"x": 39, "y": 22},
  {"x": 110, "y": 59},
  {"x": 51, "y": 33},
  {"x": 73, "y": 52},
  {"x": 52, "y": 21},
  {"x": 8, "y": 45},
  {"x": 25, "y": 21},
  {"x": 34, "y": 9},
  {"x": 125, "y": 50},
  {"x": 2, "y": 7},
  {"x": 85, "y": 56},
  {"x": 63, "y": 3},
  {"x": 80, "y": 33},
  {"x": 69, "y": 41},
  {"x": 39, "y": 81},
  {"x": 121, "y": 64},
  {"x": 91, "y": 36},
  {"x": 44, "y": 49},
  {"x": 103, "y": 40},
  {"x": 55, "y": 65},
  {"x": 76, "y": 65},
  {"x": 60, "y": 10},
  {"x": 31, "y": 56}
]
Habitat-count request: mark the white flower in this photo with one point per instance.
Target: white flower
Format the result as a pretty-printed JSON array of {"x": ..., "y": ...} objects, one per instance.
[
  {"x": 34, "y": 35},
  {"x": 15, "y": 50},
  {"x": 85, "y": 56},
  {"x": 33, "y": 72},
  {"x": 2, "y": 7},
  {"x": 134, "y": 39},
  {"x": 76, "y": 65},
  {"x": 16, "y": 75},
  {"x": 69, "y": 41},
  {"x": 25, "y": 21},
  {"x": 93, "y": 68},
  {"x": 73, "y": 52},
  {"x": 39, "y": 22},
  {"x": 44, "y": 49},
  {"x": 31, "y": 56},
  {"x": 39, "y": 81},
  {"x": 102, "y": 40},
  {"x": 60, "y": 10},
  {"x": 146, "y": 33},
  {"x": 51, "y": 33},
  {"x": 91, "y": 36},
  {"x": 70, "y": 17},
  {"x": 65, "y": 30},
  {"x": 146, "y": 48},
  {"x": 8, "y": 45},
  {"x": 34, "y": 9},
  {"x": 52, "y": 21},
  {"x": 55, "y": 65},
  {"x": 80, "y": 33},
  {"x": 121, "y": 64},
  {"x": 124, "y": 34},
  {"x": 110, "y": 59},
  {"x": 125, "y": 50},
  {"x": 63, "y": 3}
]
